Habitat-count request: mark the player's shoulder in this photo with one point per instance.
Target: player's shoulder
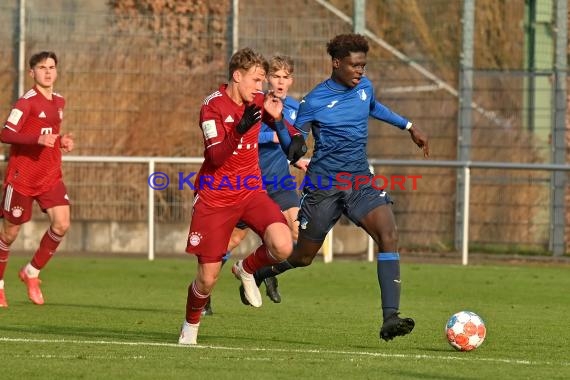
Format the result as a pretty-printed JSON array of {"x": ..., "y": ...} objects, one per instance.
[
  {"x": 29, "y": 95},
  {"x": 213, "y": 98},
  {"x": 59, "y": 99},
  {"x": 319, "y": 94},
  {"x": 365, "y": 83},
  {"x": 291, "y": 102}
]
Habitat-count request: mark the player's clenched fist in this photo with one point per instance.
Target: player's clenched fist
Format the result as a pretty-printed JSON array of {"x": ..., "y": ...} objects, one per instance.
[
  {"x": 48, "y": 140},
  {"x": 251, "y": 116},
  {"x": 297, "y": 149}
]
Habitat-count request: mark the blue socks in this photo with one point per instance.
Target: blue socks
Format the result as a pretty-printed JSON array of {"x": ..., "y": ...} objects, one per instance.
[
  {"x": 388, "y": 271},
  {"x": 226, "y": 257}
]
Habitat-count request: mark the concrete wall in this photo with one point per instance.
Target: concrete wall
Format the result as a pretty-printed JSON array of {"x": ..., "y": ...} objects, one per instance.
[{"x": 131, "y": 238}]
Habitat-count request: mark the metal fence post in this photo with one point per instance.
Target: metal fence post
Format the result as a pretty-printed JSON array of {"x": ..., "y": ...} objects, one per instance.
[
  {"x": 464, "y": 117},
  {"x": 558, "y": 206}
]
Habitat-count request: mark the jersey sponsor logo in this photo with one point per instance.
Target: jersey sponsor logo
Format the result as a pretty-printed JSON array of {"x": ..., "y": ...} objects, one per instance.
[
  {"x": 42, "y": 115},
  {"x": 331, "y": 105},
  {"x": 229, "y": 119},
  {"x": 194, "y": 238},
  {"x": 209, "y": 129},
  {"x": 17, "y": 211},
  {"x": 15, "y": 116},
  {"x": 362, "y": 95},
  {"x": 46, "y": 131}
]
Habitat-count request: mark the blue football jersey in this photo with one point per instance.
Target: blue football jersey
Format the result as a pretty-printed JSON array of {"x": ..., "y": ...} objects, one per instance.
[
  {"x": 272, "y": 160},
  {"x": 338, "y": 118}
]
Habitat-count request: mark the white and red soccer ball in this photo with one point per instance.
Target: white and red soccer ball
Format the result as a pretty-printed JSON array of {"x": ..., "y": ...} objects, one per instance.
[{"x": 465, "y": 331}]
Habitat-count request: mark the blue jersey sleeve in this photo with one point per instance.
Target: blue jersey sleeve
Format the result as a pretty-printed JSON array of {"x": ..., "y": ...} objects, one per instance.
[
  {"x": 383, "y": 113},
  {"x": 265, "y": 135},
  {"x": 304, "y": 118}
]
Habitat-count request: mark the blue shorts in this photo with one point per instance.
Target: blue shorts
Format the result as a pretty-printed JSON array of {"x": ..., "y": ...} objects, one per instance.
[
  {"x": 286, "y": 199},
  {"x": 321, "y": 209}
]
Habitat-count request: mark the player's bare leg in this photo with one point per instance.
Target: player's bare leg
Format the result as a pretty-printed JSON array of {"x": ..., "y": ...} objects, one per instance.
[{"x": 238, "y": 234}]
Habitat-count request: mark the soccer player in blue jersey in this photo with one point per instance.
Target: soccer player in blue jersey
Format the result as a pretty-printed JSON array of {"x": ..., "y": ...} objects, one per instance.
[
  {"x": 274, "y": 168},
  {"x": 337, "y": 112}
]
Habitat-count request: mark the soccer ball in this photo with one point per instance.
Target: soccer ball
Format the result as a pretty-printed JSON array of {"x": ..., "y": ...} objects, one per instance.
[{"x": 465, "y": 331}]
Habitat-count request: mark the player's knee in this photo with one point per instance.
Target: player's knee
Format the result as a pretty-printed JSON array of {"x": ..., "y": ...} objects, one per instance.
[
  {"x": 300, "y": 261},
  {"x": 389, "y": 239},
  {"x": 281, "y": 249},
  {"x": 61, "y": 227},
  {"x": 206, "y": 283},
  {"x": 9, "y": 235}
]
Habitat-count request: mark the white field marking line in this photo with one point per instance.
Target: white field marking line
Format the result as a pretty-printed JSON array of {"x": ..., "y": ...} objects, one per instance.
[
  {"x": 80, "y": 356},
  {"x": 286, "y": 350}
]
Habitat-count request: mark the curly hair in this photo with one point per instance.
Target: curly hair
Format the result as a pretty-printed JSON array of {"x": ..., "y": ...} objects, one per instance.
[
  {"x": 342, "y": 45},
  {"x": 245, "y": 59}
]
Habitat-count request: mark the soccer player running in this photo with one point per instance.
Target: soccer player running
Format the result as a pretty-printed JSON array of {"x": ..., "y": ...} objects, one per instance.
[
  {"x": 34, "y": 172},
  {"x": 229, "y": 186},
  {"x": 337, "y": 112},
  {"x": 274, "y": 168}
]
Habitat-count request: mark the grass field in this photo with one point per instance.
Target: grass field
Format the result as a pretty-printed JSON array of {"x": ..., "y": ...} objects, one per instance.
[{"x": 119, "y": 318}]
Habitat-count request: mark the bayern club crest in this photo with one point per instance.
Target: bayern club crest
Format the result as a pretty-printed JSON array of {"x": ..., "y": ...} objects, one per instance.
[
  {"x": 17, "y": 211},
  {"x": 194, "y": 238}
]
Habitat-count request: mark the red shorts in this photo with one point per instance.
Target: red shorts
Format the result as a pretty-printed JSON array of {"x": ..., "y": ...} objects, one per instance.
[
  {"x": 17, "y": 207},
  {"x": 211, "y": 227}
]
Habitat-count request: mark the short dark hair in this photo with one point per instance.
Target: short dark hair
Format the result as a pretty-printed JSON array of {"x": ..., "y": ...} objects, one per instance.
[
  {"x": 245, "y": 59},
  {"x": 342, "y": 45},
  {"x": 42, "y": 56}
]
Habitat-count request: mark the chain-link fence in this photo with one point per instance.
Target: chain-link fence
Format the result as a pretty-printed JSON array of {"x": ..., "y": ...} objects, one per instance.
[{"x": 134, "y": 74}]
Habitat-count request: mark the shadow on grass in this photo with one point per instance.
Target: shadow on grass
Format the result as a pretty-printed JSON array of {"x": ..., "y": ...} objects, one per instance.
[
  {"x": 109, "y": 307},
  {"x": 95, "y": 333}
]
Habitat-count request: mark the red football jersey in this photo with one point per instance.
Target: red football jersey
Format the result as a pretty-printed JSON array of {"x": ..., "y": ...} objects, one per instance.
[
  {"x": 34, "y": 169},
  {"x": 239, "y": 175}
]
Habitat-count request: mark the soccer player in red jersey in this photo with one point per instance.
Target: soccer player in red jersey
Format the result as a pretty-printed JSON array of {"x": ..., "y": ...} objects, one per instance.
[
  {"x": 33, "y": 129},
  {"x": 229, "y": 185}
]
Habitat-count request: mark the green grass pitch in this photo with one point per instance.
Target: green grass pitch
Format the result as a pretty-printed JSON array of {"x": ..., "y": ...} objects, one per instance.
[{"x": 119, "y": 318}]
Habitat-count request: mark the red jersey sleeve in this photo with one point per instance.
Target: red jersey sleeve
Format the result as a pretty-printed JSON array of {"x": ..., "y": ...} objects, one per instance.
[
  {"x": 219, "y": 144},
  {"x": 13, "y": 125}
]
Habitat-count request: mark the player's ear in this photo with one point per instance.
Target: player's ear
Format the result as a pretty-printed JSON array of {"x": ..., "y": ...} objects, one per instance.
[
  {"x": 335, "y": 63},
  {"x": 236, "y": 76}
]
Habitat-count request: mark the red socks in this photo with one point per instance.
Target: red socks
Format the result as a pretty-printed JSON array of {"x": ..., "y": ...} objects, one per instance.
[
  {"x": 49, "y": 243},
  {"x": 258, "y": 259},
  {"x": 194, "y": 304},
  {"x": 4, "y": 252}
]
